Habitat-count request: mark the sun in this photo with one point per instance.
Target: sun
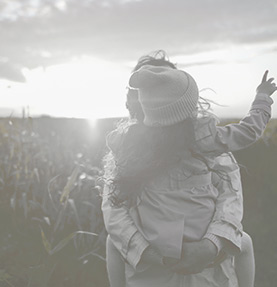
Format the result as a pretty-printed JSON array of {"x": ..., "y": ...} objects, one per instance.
[{"x": 83, "y": 88}]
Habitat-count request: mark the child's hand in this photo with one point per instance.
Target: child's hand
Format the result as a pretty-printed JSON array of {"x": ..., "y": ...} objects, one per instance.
[{"x": 267, "y": 86}]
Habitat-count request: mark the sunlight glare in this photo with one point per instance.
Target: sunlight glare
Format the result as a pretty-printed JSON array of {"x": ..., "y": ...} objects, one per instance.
[{"x": 83, "y": 88}]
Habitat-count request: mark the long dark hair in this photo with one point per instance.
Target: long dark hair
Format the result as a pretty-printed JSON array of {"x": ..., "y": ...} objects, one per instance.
[{"x": 144, "y": 152}]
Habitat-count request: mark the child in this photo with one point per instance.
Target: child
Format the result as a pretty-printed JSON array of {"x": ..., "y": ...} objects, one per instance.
[{"x": 210, "y": 144}]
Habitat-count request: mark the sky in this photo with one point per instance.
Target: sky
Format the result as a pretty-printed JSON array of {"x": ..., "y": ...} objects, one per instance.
[{"x": 73, "y": 58}]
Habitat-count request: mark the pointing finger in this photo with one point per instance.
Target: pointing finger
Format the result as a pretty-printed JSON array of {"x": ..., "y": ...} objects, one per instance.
[{"x": 265, "y": 76}]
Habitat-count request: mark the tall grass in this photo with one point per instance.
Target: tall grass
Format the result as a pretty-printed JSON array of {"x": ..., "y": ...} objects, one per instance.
[{"x": 52, "y": 231}]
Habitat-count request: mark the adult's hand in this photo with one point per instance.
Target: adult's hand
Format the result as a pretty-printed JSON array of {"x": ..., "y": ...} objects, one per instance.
[{"x": 196, "y": 256}]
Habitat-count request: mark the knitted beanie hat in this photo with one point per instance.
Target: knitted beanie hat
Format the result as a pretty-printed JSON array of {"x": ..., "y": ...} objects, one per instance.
[{"x": 168, "y": 96}]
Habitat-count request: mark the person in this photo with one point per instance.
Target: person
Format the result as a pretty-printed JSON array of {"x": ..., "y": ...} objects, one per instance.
[
  {"x": 262, "y": 116},
  {"x": 119, "y": 224}
]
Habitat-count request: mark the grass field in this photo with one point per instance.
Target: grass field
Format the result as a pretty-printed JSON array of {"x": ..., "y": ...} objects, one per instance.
[{"x": 52, "y": 230}]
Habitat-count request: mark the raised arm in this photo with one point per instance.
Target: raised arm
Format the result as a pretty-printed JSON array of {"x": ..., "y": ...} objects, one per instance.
[{"x": 216, "y": 140}]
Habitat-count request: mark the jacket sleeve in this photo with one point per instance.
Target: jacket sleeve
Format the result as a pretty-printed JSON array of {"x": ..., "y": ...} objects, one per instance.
[
  {"x": 226, "y": 222},
  {"x": 118, "y": 221},
  {"x": 123, "y": 232},
  {"x": 215, "y": 140}
]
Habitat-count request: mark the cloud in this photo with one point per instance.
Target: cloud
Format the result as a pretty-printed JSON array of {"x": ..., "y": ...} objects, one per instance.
[
  {"x": 41, "y": 33},
  {"x": 11, "y": 72}
]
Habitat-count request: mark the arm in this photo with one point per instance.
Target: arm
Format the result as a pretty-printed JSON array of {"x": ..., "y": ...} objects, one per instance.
[
  {"x": 239, "y": 136},
  {"x": 126, "y": 237},
  {"x": 225, "y": 229},
  {"x": 226, "y": 222},
  {"x": 122, "y": 231},
  {"x": 219, "y": 139},
  {"x": 119, "y": 224}
]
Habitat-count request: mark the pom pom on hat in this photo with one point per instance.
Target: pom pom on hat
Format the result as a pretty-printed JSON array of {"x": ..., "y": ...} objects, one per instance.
[{"x": 167, "y": 95}]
